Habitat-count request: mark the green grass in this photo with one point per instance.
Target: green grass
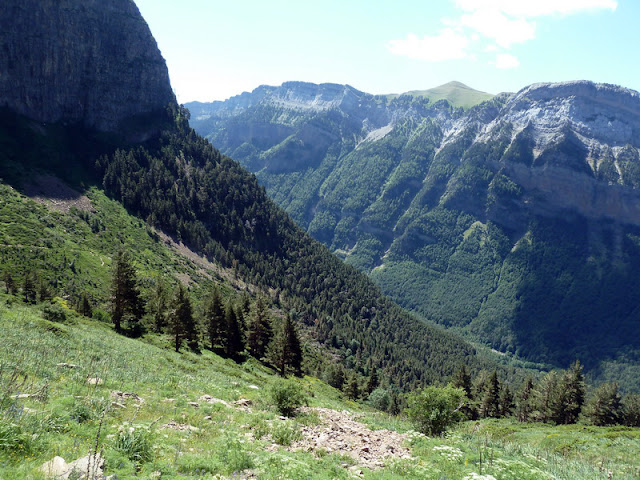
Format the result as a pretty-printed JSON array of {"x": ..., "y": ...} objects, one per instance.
[
  {"x": 456, "y": 93},
  {"x": 67, "y": 416}
]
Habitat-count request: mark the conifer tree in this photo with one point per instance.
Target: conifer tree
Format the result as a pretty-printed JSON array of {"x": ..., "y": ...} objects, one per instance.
[
  {"x": 260, "y": 331},
  {"x": 84, "y": 306},
  {"x": 546, "y": 398},
  {"x": 605, "y": 406},
  {"x": 288, "y": 350},
  {"x": 9, "y": 283},
  {"x": 242, "y": 324},
  {"x": 125, "y": 295},
  {"x": 44, "y": 293},
  {"x": 29, "y": 288},
  {"x": 461, "y": 378},
  {"x": 182, "y": 323},
  {"x": 506, "y": 401},
  {"x": 216, "y": 322},
  {"x": 351, "y": 388},
  {"x": 525, "y": 401},
  {"x": 335, "y": 376},
  {"x": 159, "y": 307},
  {"x": 572, "y": 389},
  {"x": 234, "y": 344},
  {"x": 631, "y": 405},
  {"x": 373, "y": 381},
  {"x": 490, "y": 405}
]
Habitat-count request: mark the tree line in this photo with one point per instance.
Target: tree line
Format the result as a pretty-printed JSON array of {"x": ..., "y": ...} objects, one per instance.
[
  {"x": 561, "y": 397},
  {"x": 230, "y": 330}
]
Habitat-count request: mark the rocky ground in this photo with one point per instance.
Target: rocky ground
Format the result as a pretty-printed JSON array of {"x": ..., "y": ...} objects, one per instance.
[{"x": 340, "y": 432}]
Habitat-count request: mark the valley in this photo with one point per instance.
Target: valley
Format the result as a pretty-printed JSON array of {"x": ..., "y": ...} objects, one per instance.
[
  {"x": 512, "y": 222},
  {"x": 167, "y": 314}
]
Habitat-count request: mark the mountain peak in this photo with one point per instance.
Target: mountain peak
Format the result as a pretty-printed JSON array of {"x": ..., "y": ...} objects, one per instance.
[{"x": 456, "y": 93}]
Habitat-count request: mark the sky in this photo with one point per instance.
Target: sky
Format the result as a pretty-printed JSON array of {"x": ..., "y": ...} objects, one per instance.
[{"x": 217, "y": 49}]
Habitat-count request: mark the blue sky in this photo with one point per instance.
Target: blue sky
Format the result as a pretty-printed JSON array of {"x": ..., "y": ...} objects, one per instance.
[{"x": 217, "y": 49}]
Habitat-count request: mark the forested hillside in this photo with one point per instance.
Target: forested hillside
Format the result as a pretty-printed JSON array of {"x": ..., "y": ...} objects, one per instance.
[{"x": 515, "y": 222}]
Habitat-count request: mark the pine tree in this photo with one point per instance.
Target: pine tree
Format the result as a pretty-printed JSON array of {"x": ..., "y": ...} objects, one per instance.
[
  {"x": 525, "y": 401},
  {"x": 234, "y": 344},
  {"x": 605, "y": 406},
  {"x": 335, "y": 376},
  {"x": 159, "y": 307},
  {"x": 29, "y": 288},
  {"x": 373, "y": 381},
  {"x": 506, "y": 402},
  {"x": 182, "y": 323},
  {"x": 288, "y": 350},
  {"x": 9, "y": 283},
  {"x": 351, "y": 388},
  {"x": 461, "y": 378},
  {"x": 573, "y": 391},
  {"x": 125, "y": 294},
  {"x": 84, "y": 306},
  {"x": 490, "y": 405},
  {"x": 547, "y": 398},
  {"x": 216, "y": 322},
  {"x": 631, "y": 405},
  {"x": 260, "y": 331},
  {"x": 44, "y": 293}
]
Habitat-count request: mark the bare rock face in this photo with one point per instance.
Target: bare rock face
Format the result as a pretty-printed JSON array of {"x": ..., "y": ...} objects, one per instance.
[{"x": 88, "y": 62}]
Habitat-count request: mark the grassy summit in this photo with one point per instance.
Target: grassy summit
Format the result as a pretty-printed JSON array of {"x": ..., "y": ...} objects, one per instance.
[{"x": 456, "y": 93}]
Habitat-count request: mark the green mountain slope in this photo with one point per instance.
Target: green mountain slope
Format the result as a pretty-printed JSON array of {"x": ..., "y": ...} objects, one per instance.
[
  {"x": 150, "y": 412},
  {"x": 514, "y": 223},
  {"x": 456, "y": 93}
]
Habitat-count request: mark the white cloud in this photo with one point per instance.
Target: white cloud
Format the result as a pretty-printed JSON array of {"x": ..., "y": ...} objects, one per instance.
[
  {"x": 449, "y": 44},
  {"x": 501, "y": 23},
  {"x": 495, "y": 25},
  {"x": 536, "y": 8},
  {"x": 505, "y": 61}
]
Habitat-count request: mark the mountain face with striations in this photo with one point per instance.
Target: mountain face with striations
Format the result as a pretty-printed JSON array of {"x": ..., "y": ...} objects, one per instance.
[
  {"x": 93, "y": 63},
  {"x": 515, "y": 221}
]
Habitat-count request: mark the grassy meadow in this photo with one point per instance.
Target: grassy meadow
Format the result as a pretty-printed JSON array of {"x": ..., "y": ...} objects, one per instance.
[{"x": 165, "y": 430}]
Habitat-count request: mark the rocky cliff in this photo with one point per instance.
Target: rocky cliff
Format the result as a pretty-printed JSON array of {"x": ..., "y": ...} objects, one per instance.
[
  {"x": 516, "y": 221},
  {"x": 88, "y": 62}
]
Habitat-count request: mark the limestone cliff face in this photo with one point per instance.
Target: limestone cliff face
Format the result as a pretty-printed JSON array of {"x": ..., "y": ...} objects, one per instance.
[
  {"x": 88, "y": 62},
  {"x": 583, "y": 140}
]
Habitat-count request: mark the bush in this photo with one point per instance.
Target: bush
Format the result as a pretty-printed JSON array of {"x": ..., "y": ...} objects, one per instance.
[
  {"x": 287, "y": 396},
  {"x": 135, "y": 441},
  {"x": 285, "y": 433},
  {"x": 434, "y": 409},
  {"x": 380, "y": 399},
  {"x": 55, "y": 313}
]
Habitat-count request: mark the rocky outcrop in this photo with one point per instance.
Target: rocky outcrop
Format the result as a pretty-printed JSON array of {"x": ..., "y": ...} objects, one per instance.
[{"x": 88, "y": 62}]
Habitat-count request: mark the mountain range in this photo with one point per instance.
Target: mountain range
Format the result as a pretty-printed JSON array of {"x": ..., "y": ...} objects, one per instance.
[
  {"x": 514, "y": 221},
  {"x": 86, "y": 110}
]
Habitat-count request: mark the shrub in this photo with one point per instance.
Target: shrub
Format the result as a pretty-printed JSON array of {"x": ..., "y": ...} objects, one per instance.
[
  {"x": 380, "y": 399},
  {"x": 55, "y": 313},
  {"x": 135, "y": 441},
  {"x": 434, "y": 409},
  {"x": 287, "y": 396},
  {"x": 284, "y": 433}
]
